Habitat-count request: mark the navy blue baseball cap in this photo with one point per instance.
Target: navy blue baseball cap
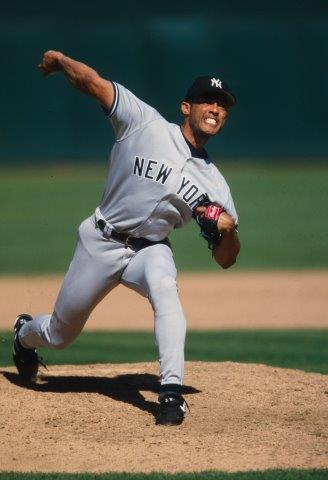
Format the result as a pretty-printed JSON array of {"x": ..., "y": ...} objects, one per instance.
[{"x": 210, "y": 85}]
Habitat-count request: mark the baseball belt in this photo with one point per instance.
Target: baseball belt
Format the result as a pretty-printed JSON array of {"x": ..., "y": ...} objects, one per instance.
[{"x": 127, "y": 239}]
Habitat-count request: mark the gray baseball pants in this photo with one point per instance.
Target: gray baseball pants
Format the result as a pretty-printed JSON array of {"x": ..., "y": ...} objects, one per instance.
[{"x": 99, "y": 264}]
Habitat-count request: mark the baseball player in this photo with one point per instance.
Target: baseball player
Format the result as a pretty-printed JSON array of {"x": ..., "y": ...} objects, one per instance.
[{"x": 159, "y": 177}]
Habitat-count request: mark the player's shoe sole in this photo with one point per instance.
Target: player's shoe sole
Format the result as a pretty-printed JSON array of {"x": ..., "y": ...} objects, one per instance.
[
  {"x": 172, "y": 409},
  {"x": 26, "y": 359}
]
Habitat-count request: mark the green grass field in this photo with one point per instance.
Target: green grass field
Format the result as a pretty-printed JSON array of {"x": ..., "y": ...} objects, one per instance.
[
  {"x": 281, "y": 211},
  {"x": 302, "y": 349},
  {"x": 264, "y": 475}
]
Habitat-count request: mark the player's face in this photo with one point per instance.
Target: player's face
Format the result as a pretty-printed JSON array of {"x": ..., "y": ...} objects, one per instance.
[{"x": 206, "y": 115}]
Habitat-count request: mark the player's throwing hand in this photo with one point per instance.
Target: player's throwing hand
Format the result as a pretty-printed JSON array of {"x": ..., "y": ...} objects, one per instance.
[{"x": 50, "y": 62}]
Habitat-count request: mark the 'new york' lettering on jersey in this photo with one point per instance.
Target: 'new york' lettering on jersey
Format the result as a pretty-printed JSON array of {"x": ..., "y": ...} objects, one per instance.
[
  {"x": 148, "y": 169},
  {"x": 150, "y": 194}
]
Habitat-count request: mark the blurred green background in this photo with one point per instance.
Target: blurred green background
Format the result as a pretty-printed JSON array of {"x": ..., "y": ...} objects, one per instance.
[
  {"x": 273, "y": 55},
  {"x": 282, "y": 208},
  {"x": 299, "y": 349}
]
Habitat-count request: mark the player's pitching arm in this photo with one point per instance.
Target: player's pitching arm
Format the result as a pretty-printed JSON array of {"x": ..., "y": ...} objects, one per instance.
[
  {"x": 80, "y": 76},
  {"x": 226, "y": 252}
]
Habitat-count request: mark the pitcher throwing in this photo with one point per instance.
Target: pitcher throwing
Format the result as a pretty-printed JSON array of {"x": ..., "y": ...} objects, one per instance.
[{"x": 159, "y": 177}]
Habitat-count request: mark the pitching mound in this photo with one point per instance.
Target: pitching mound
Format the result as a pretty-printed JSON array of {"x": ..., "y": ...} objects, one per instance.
[{"x": 100, "y": 418}]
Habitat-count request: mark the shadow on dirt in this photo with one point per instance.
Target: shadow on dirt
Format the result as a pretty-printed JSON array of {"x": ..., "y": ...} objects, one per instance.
[{"x": 125, "y": 388}]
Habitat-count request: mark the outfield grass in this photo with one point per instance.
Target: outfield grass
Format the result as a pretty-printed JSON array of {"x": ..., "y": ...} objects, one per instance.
[
  {"x": 301, "y": 349},
  {"x": 292, "y": 474},
  {"x": 281, "y": 212}
]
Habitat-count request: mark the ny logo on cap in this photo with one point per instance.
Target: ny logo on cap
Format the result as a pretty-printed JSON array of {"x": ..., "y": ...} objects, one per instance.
[{"x": 216, "y": 82}]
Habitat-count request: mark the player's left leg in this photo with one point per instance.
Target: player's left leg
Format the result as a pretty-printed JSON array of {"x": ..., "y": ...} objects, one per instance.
[
  {"x": 94, "y": 271},
  {"x": 152, "y": 273}
]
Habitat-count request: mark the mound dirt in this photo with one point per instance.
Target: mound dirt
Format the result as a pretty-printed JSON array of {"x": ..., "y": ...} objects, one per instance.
[{"x": 100, "y": 418}]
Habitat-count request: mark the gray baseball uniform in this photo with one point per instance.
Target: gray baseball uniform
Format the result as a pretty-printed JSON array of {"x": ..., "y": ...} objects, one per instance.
[{"x": 153, "y": 184}]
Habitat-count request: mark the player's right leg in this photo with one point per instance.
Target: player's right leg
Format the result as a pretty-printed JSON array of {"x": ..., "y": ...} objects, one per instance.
[
  {"x": 93, "y": 272},
  {"x": 152, "y": 273}
]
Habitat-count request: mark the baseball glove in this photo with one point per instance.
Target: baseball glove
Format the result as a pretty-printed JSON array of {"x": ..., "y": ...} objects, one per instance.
[{"x": 207, "y": 221}]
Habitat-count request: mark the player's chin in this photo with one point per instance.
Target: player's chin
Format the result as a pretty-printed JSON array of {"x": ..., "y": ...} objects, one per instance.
[{"x": 211, "y": 130}]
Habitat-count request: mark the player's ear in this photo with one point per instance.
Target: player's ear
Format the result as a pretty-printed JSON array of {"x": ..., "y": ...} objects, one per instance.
[{"x": 185, "y": 107}]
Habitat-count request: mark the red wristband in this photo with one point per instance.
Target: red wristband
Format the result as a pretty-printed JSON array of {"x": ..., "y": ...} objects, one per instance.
[{"x": 212, "y": 213}]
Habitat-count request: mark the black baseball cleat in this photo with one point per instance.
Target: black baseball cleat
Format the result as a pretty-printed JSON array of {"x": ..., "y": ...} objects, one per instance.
[
  {"x": 26, "y": 359},
  {"x": 172, "y": 409}
]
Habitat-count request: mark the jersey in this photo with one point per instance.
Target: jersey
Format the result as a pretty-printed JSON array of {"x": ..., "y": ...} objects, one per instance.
[{"x": 154, "y": 182}]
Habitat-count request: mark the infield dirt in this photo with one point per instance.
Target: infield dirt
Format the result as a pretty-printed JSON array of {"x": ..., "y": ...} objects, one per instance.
[
  {"x": 227, "y": 300},
  {"x": 100, "y": 418}
]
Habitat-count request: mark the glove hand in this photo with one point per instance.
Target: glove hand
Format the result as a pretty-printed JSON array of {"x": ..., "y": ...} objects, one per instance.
[
  {"x": 207, "y": 216},
  {"x": 225, "y": 223}
]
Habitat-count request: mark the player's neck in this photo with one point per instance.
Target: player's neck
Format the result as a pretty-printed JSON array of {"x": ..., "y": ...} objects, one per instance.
[{"x": 198, "y": 141}]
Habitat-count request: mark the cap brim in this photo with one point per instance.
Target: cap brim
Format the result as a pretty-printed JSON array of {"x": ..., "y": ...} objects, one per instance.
[{"x": 230, "y": 99}]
